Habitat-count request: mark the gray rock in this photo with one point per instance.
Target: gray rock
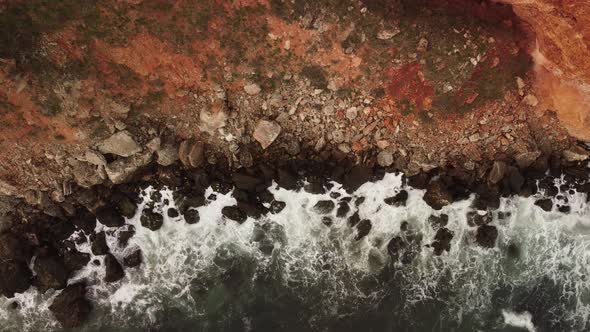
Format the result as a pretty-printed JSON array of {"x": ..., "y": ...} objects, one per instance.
[
  {"x": 121, "y": 170},
  {"x": 497, "y": 173},
  {"x": 524, "y": 160},
  {"x": 266, "y": 132},
  {"x": 95, "y": 158},
  {"x": 120, "y": 144},
  {"x": 85, "y": 174},
  {"x": 167, "y": 155},
  {"x": 385, "y": 158}
]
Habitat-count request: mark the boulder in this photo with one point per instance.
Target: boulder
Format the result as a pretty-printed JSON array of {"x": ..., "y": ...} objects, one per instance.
[
  {"x": 252, "y": 89},
  {"x": 343, "y": 209},
  {"x": 398, "y": 200},
  {"x": 442, "y": 241},
  {"x": 546, "y": 204},
  {"x": 75, "y": 260},
  {"x": 192, "y": 216},
  {"x": 167, "y": 155},
  {"x": 474, "y": 218},
  {"x": 356, "y": 177},
  {"x": 70, "y": 307},
  {"x": 234, "y": 213},
  {"x": 526, "y": 159},
  {"x": 354, "y": 219},
  {"x": 285, "y": 179},
  {"x": 151, "y": 220},
  {"x": 172, "y": 213},
  {"x": 362, "y": 229},
  {"x": 99, "y": 245},
  {"x": 245, "y": 181},
  {"x": 497, "y": 173},
  {"x": 437, "y": 195},
  {"x": 404, "y": 247},
  {"x": 109, "y": 216},
  {"x": 51, "y": 272},
  {"x": 486, "y": 236},
  {"x": 266, "y": 132},
  {"x": 438, "y": 222},
  {"x": 124, "y": 235},
  {"x": 324, "y": 207},
  {"x": 385, "y": 158},
  {"x": 576, "y": 154},
  {"x": 113, "y": 270},
  {"x": 122, "y": 170},
  {"x": 120, "y": 144},
  {"x": 84, "y": 220}
]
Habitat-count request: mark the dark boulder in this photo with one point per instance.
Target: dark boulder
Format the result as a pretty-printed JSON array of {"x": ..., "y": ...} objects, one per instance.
[
  {"x": 99, "y": 244},
  {"x": 397, "y": 200},
  {"x": 515, "y": 180},
  {"x": 354, "y": 219},
  {"x": 343, "y": 209},
  {"x": 437, "y": 195},
  {"x": 70, "y": 307},
  {"x": 113, "y": 270},
  {"x": 438, "y": 222},
  {"x": 442, "y": 241},
  {"x": 172, "y": 213},
  {"x": 546, "y": 204},
  {"x": 15, "y": 277},
  {"x": 486, "y": 236},
  {"x": 109, "y": 217},
  {"x": 123, "y": 236},
  {"x": 133, "y": 259},
  {"x": 124, "y": 205},
  {"x": 356, "y": 177},
  {"x": 84, "y": 220},
  {"x": 151, "y": 220},
  {"x": 192, "y": 216},
  {"x": 323, "y": 207},
  {"x": 51, "y": 272},
  {"x": 14, "y": 248},
  {"x": 234, "y": 213},
  {"x": 277, "y": 206},
  {"x": 362, "y": 229},
  {"x": 245, "y": 181},
  {"x": 359, "y": 201},
  {"x": 75, "y": 260},
  {"x": 285, "y": 179},
  {"x": 564, "y": 208}
]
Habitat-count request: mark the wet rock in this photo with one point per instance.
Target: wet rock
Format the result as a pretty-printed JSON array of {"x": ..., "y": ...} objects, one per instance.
[
  {"x": 323, "y": 207},
  {"x": 246, "y": 182},
  {"x": 405, "y": 247},
  {"x": 545, "y": 204},
  {"x": 285, "y": 179},
  {"x": 362, "y": 229},
  {"x": 234, "y": 213},
  {"x": 442, "y": 241},
  {"x": 526, "y": 159},
  {"x": 99, "y": 245},
  {"x": 120, "y": 144},
  {"x": 437, "y": 196},
  {"x": 172, "y": 213},
  {"x": 356, "y": 177},
  {"x": 70, "y": 307},
  {"x": 438, "y": 222},
  {"x": 354, "y": 219},
  {"x": 497, "y": 173},
  {"x": 50, "y": 272},
  {"x": 515, "y": 180},
  {"x": 75, "y": 260},
  {"x": 113, "y": 270},
  {"x": 123, "y": 236},
  {"x": 277, "y": 206},
  {"x": 122, "y": 170},
  {"x": 564, "y": 208},
  {"x": 385, "y": 158},
  {"x": 398, "y": 200},
  {"x": 109, "y": 217},
  {"x": 15, "y": 277},
  {"x": 192, "y": 216},
  {"x": 486, "y": 236},
  {"x": 151, "y": 220},
  {"x": 474, "y": 218},
  {"x": 124, "y": 205},
  {"x": 134, "y": 259},
  {"x": 266, "y": 132},
  {"x": 327, "y": 221},
  {"x": 359, "y": 201},
  {"x": 268, "y": 235},
  {"x": 343, "y": 209},
  {"x": 315, "y": 185}
]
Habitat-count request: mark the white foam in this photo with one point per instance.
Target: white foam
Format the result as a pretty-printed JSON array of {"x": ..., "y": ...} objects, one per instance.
[{"x": 523, "y": 320}]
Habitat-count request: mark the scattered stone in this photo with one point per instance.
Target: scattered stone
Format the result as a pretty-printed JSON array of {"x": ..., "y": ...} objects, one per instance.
[
  {"x": 277, "y": 206},
  {"x": 50, "y": 272},
  {"x": 167, "y": 155},
  {"x": 99, "y": 245},
  {"x": 252, "y": 89},
  {"x": 442, "y": 241},
  {"x": 385, "y": 158},
  {"x": 437, "y": 195},
  {"x": 120, "y": 144},
  {"x": 151, "y": 220},
  {"x": 134, "y": 259},
  {"x": 486, "y": 236},
  {"x": 266, "y": 132},
  {"x": 234, "y": 213},
  {"x": 362, "y": 229},
  {"x": 192, "y": 216},
  {"x": 323, "y": 207},
  {"x": 113, "y": 270},
  {"x": 387, "y": 34},
  {"x": 70, "y": 307},
  {"x": 398, "y": 200}
]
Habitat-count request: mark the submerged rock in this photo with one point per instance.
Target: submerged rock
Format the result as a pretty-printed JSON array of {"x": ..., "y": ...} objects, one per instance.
[
  {"x": 277, "y": 206},
  {"x": 486, "y": 236},
  {"x": 546, "y": 204},
  {"x": 438, "y": 222},
  {"x": 192, "y": 216},
  {"x": 134, "y": 259},
  {"x": 234, "y": 213},
  {"x": 442, "y": 241},
  {"x": 405, "y": 247},
  {"x": 324, "y": 207},
  {"x": 113, "y": 270},
  {"x": 437, "y": 196},
  {"x": 70, "y": 307},
  {"x": 397, "y": 200},
  {"x": 362, "y": 229}
]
